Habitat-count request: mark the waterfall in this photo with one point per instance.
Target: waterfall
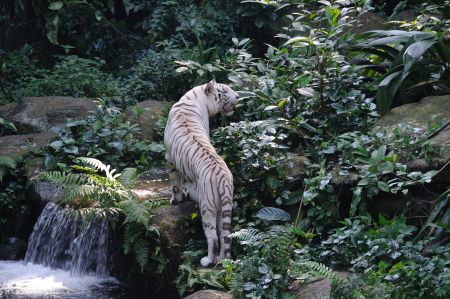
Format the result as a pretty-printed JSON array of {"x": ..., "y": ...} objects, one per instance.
[{"x": 61, "y": 239}]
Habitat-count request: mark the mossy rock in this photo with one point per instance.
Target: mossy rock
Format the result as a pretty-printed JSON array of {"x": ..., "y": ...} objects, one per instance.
[
  {"x": 153, "y": 113},
  {"x": 39, "y": 114},
  {"x": 417, "y": 114}
]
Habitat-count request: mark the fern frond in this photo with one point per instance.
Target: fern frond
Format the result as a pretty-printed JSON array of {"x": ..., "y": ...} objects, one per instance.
[
  {"x": 84, "y": 193},
  {"x": 64, "y": 180},
  {"x": 95, "y": 163},
  {"x": 141, "y": 252},
  {"x": 8, "y": 162},
  {"x": 323, "y": 270},
  {"x": 136, "y": 212},
  {"x": 128, "y": 177}
]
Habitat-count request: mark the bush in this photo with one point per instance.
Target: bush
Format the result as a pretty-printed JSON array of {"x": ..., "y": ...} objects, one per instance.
[
  {"x": 154, "y": 76},
  {"x": 71, "y": 76},
  {"x": 105, "y": 135}
]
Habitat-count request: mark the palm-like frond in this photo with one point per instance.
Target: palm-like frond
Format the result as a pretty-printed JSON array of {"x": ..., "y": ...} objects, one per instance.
[{"x": 403, "y": 55}]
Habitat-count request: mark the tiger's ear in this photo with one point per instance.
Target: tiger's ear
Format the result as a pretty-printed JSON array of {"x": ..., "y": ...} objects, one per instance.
[{"x": 210, "y": 86}]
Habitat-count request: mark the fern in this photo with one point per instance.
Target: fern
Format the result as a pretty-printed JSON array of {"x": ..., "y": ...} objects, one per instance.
[
  {"x": 99, "y": 165},
  {"x": 63, "y": 179},
  {"x": 141, "y": 252},
  {"x": 323, "y": 270},
  {"x": 128, "y": 177},
  {"x": 8, "y": 162}
]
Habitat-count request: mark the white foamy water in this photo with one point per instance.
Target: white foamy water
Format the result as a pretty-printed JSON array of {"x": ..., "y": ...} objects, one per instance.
[{"x": 20, "y": 280}]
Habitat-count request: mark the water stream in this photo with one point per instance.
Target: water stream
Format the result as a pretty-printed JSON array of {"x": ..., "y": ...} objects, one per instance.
[{"x": 71, "y": 258}]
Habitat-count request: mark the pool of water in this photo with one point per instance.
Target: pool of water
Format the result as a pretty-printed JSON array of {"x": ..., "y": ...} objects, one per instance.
[{"x": 30, "y": 281}]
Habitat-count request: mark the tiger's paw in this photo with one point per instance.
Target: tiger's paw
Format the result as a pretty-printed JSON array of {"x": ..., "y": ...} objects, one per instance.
[{"x": 206, "y": 261}]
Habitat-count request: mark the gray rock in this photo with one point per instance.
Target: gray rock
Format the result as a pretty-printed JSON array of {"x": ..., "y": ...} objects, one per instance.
[
  {"x": 6, "y": 111},
  {"x": 13, "y": 249},
  {"x": 40, "y": 193},
  {"x": 16, "y": 146},
  {"x": 39, "y": 114},
  {"x": 154, "y": 111},
  {"x": 299, "y": 163},
  {"x": 368, "y": 21},
  {"x": 418, "y": 115},
  {"x": 210, "y": 294},
  {"x": 316, "y": 289},
  {"x": 171, "y": 222}
]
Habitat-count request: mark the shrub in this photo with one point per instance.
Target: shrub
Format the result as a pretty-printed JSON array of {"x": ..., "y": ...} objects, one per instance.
[
  {"x": 105, "y": 135},
  {"x": 71, "y": 76}
]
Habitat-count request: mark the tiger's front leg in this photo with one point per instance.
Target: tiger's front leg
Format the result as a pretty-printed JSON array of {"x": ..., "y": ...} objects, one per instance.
[{"x": 177, "y": 187}]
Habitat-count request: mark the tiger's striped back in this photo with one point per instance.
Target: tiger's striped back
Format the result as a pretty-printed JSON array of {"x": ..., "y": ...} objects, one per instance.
[{"x": 196, "y": 168}]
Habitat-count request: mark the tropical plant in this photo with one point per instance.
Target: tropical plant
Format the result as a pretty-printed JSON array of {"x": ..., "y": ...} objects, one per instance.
[
  {"x": 261, "y": 272},
  {"x": 104, "y": 134},
  {"x": 410, "y": 63},
  {"x": 71, "y": 76}
]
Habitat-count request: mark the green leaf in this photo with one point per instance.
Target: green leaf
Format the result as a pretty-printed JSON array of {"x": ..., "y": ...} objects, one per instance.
[
  {"x": 415, "y": 51},
  {"x": 57, "y": 5},
  {"x": 271, "y": 214},
  {"x": 383, "y": 186},
  {"x": 386, "y": 91}
]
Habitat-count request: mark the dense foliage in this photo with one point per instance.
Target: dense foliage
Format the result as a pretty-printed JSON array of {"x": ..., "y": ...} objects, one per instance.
[{"x": 311, "y": 168}]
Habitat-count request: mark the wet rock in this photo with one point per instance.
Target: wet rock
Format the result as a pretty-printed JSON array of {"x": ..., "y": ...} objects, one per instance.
[
  {"x": 210, "y": 294},
  {"x": 16, "y": 146},
  {"x": 171, "y": 221},
  {"x": 39, "y": 114},
  {"x": 153, "y": 184},
  {"x": 13, "y": 249},
  {"x": 40, "y": 193},
  {"x": 154, "y": 111}
]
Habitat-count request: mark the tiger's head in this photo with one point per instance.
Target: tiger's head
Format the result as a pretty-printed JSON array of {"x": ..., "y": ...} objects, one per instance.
[{"x": 221, "y": 98}]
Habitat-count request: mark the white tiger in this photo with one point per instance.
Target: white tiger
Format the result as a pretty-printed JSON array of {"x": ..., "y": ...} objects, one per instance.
[{"x": 196, "y": 170}]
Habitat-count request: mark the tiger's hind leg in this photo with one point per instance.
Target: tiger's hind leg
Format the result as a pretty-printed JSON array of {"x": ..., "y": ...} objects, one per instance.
[
  {"x": 224, "y": 228},
  {"x": 209, "y": 227}
]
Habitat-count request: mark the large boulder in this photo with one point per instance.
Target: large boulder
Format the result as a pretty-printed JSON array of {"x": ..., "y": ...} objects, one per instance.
[
  {"x": 418, "y": 115},
  {"x": 171, "y": 221},
  {"x": 210, "y": 294},
  {"x": 16, "y": 146},
  {"x": 13, "y": 249},
  {"x": 153, "y": 111},
  {"x": 316, "y": 289},
  {"x": 39, "y": 114},
  {"x": 7, "y": 110}
]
